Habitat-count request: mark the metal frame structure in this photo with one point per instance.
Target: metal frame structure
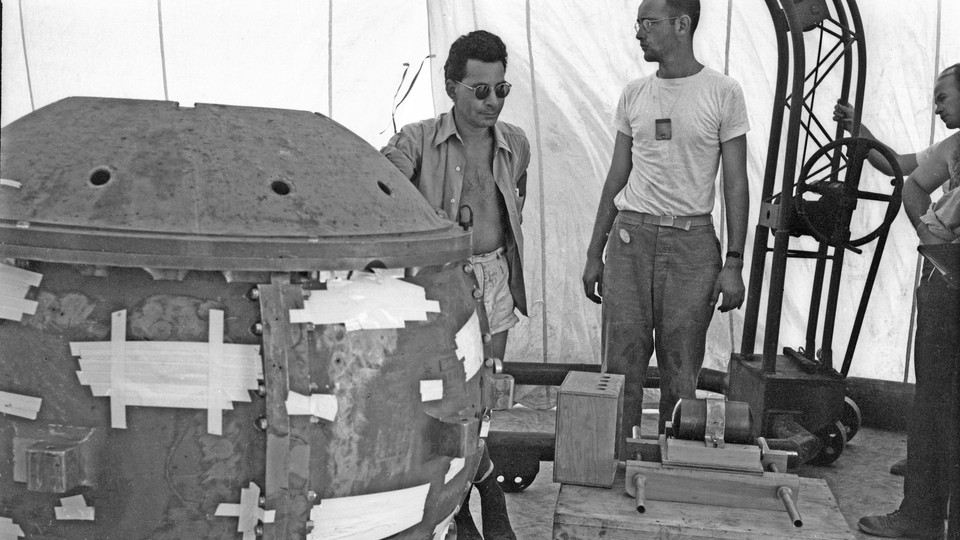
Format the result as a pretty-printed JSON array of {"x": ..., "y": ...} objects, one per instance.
[{"x": 819, "y": 173}]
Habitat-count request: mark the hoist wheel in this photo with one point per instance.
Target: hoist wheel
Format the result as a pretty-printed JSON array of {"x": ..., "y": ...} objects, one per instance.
[{"x": 828, "y": 218}]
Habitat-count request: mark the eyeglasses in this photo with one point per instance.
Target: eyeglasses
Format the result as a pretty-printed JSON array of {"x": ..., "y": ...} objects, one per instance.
[
  {"x": 648, "y": 23},
  {"x": 482, "y": 90}
]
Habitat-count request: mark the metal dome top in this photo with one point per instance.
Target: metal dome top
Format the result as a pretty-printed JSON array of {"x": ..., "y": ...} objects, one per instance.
[{"x": 149, "y": 183}]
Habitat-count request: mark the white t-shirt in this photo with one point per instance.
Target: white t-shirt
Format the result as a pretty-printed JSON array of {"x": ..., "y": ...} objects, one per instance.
[{"x": 678, "y": 176}]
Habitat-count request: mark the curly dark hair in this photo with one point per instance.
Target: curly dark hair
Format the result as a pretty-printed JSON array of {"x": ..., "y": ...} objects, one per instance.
[{"x": 477, "y": 45}]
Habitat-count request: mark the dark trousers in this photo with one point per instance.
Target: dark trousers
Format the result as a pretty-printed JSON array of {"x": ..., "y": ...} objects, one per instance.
[
  {"x": 933, "y": 461},
  {"x": 657, "y": 286}
]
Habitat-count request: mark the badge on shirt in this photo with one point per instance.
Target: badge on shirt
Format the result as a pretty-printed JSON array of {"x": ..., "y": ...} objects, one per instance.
[{"x": 662, "y": 130}]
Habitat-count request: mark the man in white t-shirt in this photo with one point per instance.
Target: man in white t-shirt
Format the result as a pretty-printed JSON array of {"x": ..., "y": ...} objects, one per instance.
[
  {"x": 663, "y": 273},
  {"x": 932, "y": 469}
]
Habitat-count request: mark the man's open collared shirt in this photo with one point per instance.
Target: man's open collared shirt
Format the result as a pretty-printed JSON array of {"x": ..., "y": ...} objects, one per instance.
[{"x": 431, "y": 154}]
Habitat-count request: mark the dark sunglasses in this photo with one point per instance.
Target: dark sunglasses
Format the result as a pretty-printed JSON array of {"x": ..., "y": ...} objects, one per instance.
[{"x": 482, "y": 90}]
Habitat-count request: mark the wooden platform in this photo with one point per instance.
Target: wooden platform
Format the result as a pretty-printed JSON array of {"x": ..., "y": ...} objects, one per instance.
[{"x": 588, "y": 513}]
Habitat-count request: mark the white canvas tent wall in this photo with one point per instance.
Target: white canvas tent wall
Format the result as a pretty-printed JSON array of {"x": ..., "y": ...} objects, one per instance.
[{"x": 568, "y": 62}]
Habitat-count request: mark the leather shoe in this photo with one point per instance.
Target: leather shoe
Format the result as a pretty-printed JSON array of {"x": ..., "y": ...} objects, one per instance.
[{"x": 897, "y": 525}]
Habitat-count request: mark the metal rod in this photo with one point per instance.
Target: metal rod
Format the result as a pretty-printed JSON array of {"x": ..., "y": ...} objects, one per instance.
[
  {"x": 817, "y": 293},
  {"x": 761, "y": 236},
  {"x": 639, "y": 483},
  {"x": 785, "y": 493},
  {"x": 864, "y": 300}
]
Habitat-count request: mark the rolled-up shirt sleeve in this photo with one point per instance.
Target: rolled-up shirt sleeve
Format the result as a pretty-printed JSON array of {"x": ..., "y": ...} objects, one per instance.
[{"x": 404, "y": 151}]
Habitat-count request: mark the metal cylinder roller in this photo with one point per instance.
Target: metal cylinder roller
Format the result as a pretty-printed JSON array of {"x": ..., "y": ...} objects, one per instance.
[{"x": 698, "y": 419}]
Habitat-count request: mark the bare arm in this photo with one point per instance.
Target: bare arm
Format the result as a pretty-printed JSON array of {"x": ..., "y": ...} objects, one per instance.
[
  {"x": 917, "y": 189},
  {"x": 736, "y": 197},
  {"x": 843, "y": 114},
  {"x": 620, "y": 166}
]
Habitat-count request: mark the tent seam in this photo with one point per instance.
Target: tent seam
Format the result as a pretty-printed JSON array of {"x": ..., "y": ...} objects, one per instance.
[
  {"x": 543, "y": 232},
  {"x": 163, "y": 57},
  {"x": 919, "y": 267},
  {"x": 26, "y": 63},
  {"x": 330, "y": 59}
]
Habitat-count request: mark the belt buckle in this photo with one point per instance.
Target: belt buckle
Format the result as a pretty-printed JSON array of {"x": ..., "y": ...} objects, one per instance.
[{"x": 666, "y": 221}]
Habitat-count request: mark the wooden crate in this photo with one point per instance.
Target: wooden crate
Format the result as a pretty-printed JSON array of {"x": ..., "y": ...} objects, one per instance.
[
  {"x": 589, "y": 411},
  {"x": 588, "y": 513}
]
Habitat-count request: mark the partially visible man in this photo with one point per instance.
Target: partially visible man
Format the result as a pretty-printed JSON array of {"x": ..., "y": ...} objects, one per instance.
[
  {"x": 466, "y": 157},
  {"x": 932, "y": 477},
  {"x": 663, "y": 272}
]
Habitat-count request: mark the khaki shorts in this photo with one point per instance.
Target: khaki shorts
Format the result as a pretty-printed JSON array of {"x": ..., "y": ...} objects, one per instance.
[{"x": 493, "y": 275}]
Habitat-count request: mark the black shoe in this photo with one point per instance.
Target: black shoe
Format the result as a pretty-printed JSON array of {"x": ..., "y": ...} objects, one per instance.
[
  {"x": 899, "y": 468},
  {"x": 897, "y": 525},
  {"x": 493, "y": 510},
  {"x": 466, "y": 528}
]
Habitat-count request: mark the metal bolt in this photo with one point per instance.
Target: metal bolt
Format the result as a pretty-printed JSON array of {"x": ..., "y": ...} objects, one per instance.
[
  {"x": 314, "y": 419},
  {"x": 257, "y": 329},
  {"x": 308, "y": 526},
  {"x": 253, "y": 294},
  {"x": 262, "y": 390},
  {"x": 258, "y": 530},
  {"x": 262, "y": 500},
  {"x": 311, "y": 497},
  {"x": 478, "y": 294},
  {"x": 314, "y": 387},
  {"x": 468, "y": 268},
  {"x": 261, "y": 423},
  {"x": 487, "y": 338}
]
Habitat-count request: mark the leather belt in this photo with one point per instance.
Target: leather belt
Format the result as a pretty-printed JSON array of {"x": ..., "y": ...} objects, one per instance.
[{"x": 677, "y": 222}]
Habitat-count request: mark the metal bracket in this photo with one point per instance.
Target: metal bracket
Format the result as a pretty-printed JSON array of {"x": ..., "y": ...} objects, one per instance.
[{"x": 716, "y": 419}]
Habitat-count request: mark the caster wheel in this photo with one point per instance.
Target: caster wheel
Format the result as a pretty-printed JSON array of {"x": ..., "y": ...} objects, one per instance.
[
  {"x": 516, "y": 475},
  {"x": 833, "y": 438},
  {"x": 851, "y": 418}
]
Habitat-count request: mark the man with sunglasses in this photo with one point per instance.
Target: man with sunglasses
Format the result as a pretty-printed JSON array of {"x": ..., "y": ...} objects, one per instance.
[
  {"x": 654, "y": 257},
  {"x": 467, "y": 158}
]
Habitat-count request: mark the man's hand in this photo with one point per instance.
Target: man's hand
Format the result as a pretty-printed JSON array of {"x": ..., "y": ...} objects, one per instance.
[
  {"x": 843, "y": 115},
  {"x": 730, "y": 283},
  {"x": 593, "y": 279}
]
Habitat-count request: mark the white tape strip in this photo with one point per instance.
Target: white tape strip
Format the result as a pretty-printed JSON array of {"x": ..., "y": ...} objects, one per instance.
[
  {"x": 10, "y": 183},
  {"x": 440, "y": 531},
  {"x": 14, "y": 285},
  {"x": 431, "y": 390},
  {"x": 185, "y": 375},
  {"x": 19, "y": 405},
  {"x": 248, "y": 511},
  {"x": 470, "y": 346},
  {"x": 74, "y": 508},
  {"x": 13, "y": 277},
  {"x": 320, "y": 405},
  {"x": 9, "y": 530},
  {"x": 366, "y": 301},
  {"x": 368, "y": 517},
  {"x": 456, "y": 465}
]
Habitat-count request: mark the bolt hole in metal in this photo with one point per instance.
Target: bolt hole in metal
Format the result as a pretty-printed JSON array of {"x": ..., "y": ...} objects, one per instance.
[
  {"x": 281, "y": 187},
  {"x": 100, "y": 176},
  {"x": 384, "y": 188}
]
